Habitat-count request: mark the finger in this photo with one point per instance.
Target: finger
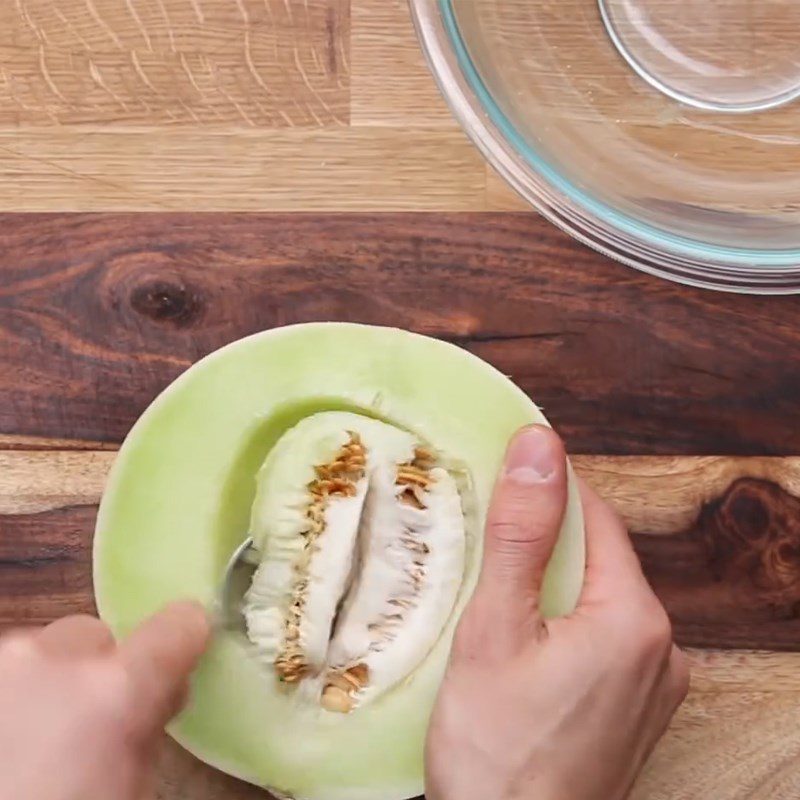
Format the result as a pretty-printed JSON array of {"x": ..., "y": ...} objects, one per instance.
[
  {"x": 159, "y": 657},
  {"x": 18, "y": 643},
  {"x": 178, "y": 700},
  {"x": 613, "y": 570},
  {"x": 680, "y": 675},
  {"x": 522, "y": 527},
  {"x": 23, "y": 633},
  {"x": 79, "y": 635}
]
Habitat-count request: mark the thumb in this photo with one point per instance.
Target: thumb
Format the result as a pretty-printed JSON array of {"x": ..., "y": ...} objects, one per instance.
[{"x": 522, "y": 527}]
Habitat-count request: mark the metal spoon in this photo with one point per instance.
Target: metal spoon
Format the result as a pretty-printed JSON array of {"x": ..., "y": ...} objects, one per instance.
[{"x": 235, "y": 583}]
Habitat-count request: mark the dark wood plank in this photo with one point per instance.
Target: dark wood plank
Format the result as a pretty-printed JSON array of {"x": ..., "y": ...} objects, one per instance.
[
  {"x": 99, "y": 312},
  {"x": 46, "y": 565}
]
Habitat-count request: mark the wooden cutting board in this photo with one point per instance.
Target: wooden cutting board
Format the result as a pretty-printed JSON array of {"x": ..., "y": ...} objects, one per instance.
[{"x": 318, "y": 116}]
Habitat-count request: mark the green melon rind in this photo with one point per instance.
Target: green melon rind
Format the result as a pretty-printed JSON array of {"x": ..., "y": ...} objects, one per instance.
[{"x": 178, "y": 501}]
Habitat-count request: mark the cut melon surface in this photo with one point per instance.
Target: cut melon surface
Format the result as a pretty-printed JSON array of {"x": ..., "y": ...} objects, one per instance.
[{"x": 195, "y": 476}]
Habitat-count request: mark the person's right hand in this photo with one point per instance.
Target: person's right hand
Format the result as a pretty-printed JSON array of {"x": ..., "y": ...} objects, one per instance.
[
  {"x": 80, "y": 715},
  {"x": 560, "y": 709}
]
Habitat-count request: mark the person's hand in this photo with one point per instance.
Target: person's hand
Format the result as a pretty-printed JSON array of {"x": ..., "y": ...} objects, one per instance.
[
  {"x": 562, "y": 709},
  {"x": 80, "y": 716}
]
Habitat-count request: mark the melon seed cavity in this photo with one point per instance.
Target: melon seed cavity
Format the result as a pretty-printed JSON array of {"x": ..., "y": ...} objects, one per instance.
[{"x": 362, "y": 540}]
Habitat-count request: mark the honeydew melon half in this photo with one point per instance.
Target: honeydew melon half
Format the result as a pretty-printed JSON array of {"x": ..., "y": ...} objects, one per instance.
[{"x": 180, "y": 498}]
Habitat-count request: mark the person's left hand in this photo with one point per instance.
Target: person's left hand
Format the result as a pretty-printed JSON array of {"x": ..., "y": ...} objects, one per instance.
[{"x": 80, "y": 716}]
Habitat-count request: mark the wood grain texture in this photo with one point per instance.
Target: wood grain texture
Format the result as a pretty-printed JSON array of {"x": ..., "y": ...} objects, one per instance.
[
  {"x": 98, "y": 313},
  {"x": 665, "y": 494},
  {"x": 500, "y": 196},
  {"x": 11, "y": 441},
  {"x": 729, "y": 746},
  {"x": 714, "y": 671},
  {"x": 253, "y": 105},
  {"x": 390, "y": 81},
  {"x": 298, "y": 170},
  {"x": 208, "y": 104},
  {"x": 719, "y": 540},
  {"x": 250, "y": 63},
  {"x": 45, "y": 565},
  {"x": 38, "y": 481}
]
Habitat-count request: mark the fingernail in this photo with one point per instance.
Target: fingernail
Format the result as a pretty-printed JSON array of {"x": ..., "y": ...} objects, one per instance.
[{"x": 533, "y": 455}]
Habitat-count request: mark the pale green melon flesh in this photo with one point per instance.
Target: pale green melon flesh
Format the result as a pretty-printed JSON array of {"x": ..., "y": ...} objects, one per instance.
[{"x": 179, "y": 498}]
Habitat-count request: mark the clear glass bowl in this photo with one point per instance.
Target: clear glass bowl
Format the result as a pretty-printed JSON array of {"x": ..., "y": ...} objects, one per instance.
[{"x": 664, "y": 133}]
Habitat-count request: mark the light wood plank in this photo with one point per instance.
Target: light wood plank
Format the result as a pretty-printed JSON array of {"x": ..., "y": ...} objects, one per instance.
[
  {"x": 662, "y": 495},
  {"x": 654, "y": 494},
  {"x": 728, "y": 746},
  {"x": 300, "y": 170},
  {"x": 33, "y": 482},
  {"x": 256, "y": 105},
  {"x": 716, "y": 671},
  {"x": 500, "y": 196},
  {"x": 391, "y": 84},
  {"x": 9, "y": 441},
  {"x": 265, "y": 63}
]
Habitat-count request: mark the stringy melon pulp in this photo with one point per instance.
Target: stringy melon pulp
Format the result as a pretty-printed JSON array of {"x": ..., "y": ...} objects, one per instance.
[
  {"x": 195, "y": 476},
  {"x": 362, "y": 538}
]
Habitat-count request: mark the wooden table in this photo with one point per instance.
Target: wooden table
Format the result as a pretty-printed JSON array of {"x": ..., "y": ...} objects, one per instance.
[{"x": 318, "y": 116}]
